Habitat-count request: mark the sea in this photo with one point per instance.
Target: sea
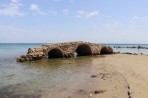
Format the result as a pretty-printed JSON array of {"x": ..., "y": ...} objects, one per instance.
[
  {"x": 130, "y": 50},
  {"x": 37, "y": 78}
]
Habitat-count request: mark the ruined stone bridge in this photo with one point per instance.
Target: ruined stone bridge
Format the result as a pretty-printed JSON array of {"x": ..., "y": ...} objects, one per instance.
[{"x": 64, "y": 50}]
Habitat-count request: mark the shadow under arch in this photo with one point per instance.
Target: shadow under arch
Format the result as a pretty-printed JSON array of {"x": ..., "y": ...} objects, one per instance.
[
  {"x": 83, "y": 50},
  {"x": 55, "y": 53},
  {"x": 106, "y": 50}
]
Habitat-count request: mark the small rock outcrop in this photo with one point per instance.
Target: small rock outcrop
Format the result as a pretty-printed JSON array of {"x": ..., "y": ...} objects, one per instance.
[{"x": 64, "y": 50}]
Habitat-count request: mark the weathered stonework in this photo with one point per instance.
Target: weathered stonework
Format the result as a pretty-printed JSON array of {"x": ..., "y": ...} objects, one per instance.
[{"x": 64, "y": 50}]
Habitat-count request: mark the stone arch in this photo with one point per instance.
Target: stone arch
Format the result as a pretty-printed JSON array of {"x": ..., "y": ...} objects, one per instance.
[
  {"x": 83, "y": 50},
  {"x": 106, "y": 50},
  {"x": 55, "y": 53}
]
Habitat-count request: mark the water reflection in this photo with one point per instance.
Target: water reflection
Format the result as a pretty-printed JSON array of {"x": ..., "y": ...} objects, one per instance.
[{"x": 45, "y": 75}]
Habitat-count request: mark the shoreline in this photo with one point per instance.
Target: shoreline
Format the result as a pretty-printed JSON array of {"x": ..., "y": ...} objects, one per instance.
[
  {"x": 117, "y": 75},
  {"x": 101, "y": 76}
]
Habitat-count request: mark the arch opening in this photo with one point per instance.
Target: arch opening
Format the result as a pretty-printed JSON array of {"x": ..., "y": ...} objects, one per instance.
[
  {"x": 83, "y": 50},
  {"x": 106, "y": 50},
  {"x": 55, "y": 53}
]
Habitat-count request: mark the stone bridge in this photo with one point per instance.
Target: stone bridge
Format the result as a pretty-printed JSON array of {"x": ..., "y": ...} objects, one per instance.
[{"x": 64, "y": 50}]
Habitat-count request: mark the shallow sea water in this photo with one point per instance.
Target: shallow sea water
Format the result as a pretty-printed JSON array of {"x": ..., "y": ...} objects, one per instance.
[{"x": 34, "y": 79}]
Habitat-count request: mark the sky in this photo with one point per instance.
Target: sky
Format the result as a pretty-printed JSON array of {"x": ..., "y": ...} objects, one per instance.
[{"x": 52, "y": 21}]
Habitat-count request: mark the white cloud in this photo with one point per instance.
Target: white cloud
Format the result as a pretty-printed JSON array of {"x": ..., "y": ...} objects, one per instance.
[
  {"x": 12, "y": 9},
  {"x": 36, "y": 9},
  {"x": 66, "y": 12},
  {"x": 139, "y": 19},
  {"x": 85, "y": 14}
]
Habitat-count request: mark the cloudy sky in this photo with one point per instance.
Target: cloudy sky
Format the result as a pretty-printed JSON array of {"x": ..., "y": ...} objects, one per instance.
[{"x": 46, "y": 21}]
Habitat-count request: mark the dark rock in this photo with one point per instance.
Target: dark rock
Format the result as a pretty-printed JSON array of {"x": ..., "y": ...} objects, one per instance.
[
  {"x": 93, "y": 76},
  {"x": 135, "y": 54},
  {"x": 99, "y": 91},
  {"x": 83, "y": 92}
]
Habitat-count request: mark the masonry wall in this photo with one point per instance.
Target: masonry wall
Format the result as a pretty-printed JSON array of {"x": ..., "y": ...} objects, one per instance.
[{"x": 65, "y": 50}]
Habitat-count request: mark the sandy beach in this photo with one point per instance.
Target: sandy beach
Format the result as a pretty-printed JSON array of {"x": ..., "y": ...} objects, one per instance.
[{"x": 112, "y": 76}]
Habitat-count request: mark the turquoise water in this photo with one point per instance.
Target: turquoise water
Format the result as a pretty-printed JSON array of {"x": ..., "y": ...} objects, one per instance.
[{"x": 34, "y": 79}]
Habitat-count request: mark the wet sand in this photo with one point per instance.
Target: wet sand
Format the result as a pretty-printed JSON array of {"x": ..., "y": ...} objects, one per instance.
[{"x": 112, "y": 76}]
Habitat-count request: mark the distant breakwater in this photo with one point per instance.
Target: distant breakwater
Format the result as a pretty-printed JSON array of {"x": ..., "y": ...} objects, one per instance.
[
  {"x": 129, "y": 53},
  {"x": 134, "y": 47}
]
